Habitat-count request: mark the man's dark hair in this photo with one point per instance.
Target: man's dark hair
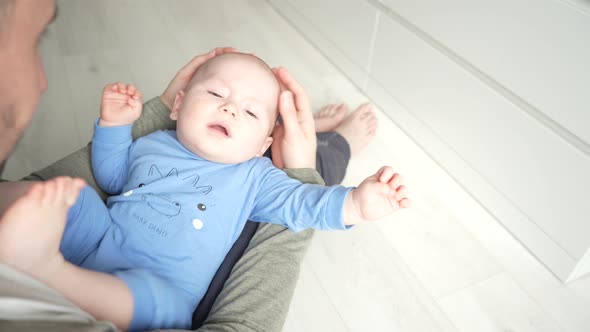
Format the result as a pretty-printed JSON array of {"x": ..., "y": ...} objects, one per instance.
[{"x": 6, "y": 8}]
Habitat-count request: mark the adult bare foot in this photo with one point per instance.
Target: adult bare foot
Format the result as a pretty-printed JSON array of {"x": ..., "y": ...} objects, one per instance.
[
  {"x": 31, "y": 229},
  {"x": 329, "y": 117},
  {"x": 359, "y": 127}
]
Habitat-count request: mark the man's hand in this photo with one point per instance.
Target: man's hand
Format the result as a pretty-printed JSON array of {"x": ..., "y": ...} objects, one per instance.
[
  {"x": 120, "y": 105},
  {"x": 184, "y": 76},
  {"x": 376, "y": 197},
  {"x": 294, "y": 140}
]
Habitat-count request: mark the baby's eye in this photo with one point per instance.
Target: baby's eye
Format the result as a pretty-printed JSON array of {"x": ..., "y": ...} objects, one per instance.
[
  {"x": 251, "y": 114},
  {"x": 215, "y": 94},
  {"x": 141, "y": 185}
]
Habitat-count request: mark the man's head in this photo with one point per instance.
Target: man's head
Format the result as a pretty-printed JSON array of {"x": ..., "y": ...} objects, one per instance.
[
  {"x": 229, "y": 109},
  {"x": 23, "y": 80}
]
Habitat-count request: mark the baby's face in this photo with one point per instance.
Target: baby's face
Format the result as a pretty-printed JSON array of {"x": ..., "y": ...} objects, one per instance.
[{"x": 229, "y": 109}]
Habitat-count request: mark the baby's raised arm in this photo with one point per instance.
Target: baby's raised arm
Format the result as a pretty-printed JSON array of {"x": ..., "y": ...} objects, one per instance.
[
  {"x": 120, "y": 107},
  {"x": 376, "y": 197}
]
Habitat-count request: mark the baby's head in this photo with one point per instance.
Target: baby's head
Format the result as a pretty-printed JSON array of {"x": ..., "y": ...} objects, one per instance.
[{"x": 229, "y": 109}]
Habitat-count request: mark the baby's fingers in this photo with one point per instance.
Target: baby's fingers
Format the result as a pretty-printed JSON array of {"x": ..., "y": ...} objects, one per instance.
[
  {"x": 134, "y": 103},
  {"x": 404, "y": 203},
  {"x": 394, "y": 203},
  {"x": 401, "y": 193},
  {"x": 131, "y": 89},
  {"x": 384, "y": 174},
  {"x": 121, "y": 87},
  {"x": 133, "y": 92},
  {"x": 395, "y": 181}
]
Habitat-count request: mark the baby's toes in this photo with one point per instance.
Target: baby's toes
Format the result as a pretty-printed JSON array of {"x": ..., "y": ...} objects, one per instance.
[
  {"x": 329, "y": 110},
  {"x": 372, "y": 129},
  {"x": 72, "y": 191},
  {"x": 365, "y": 110},
  {"x": 62, "y": 186},
  {"x": 49, "y": 191},
  {"x": 370, "y": 117},
  {"x": 371, "y": 123},
  {"x": 336, "y": 109},
  {"x": 78, "y": 183},
  {"x": 341, "y": 110},
  {"x": 36, "y": 191}
]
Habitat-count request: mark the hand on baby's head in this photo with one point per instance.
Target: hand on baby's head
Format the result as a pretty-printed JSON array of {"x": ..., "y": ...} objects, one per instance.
[{"x": 120, "y": 105}]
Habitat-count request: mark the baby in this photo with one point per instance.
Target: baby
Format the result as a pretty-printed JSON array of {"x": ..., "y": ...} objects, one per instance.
[{"x": 183, "y": 197}]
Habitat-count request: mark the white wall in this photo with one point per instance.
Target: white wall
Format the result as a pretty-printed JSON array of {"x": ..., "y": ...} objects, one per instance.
[{"x": 496, "y": 92}]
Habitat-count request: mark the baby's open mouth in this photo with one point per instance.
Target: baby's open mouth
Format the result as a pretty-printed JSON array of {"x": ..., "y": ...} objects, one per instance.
[{"x": 220, "y": 129}]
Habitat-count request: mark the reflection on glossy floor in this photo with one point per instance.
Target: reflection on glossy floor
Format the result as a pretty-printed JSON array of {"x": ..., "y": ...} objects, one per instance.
[{"x": 443, "y": 265}]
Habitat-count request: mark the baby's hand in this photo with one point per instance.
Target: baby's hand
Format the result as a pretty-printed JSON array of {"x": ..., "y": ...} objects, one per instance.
[
  {"x": 120, "y": 105},
  {"x": 377, "y": 196}
]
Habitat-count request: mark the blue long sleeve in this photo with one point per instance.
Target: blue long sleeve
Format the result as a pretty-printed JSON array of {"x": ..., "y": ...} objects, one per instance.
[
  {"x": 298, "y": 206},
  {"x": 110, "y": 156},
  {"x": 180, "y": 214}
]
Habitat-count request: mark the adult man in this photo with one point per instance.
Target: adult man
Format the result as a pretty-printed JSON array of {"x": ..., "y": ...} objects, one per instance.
[
  {"x": 22, "y": 82},
  {"x": 23, "y": 78}
]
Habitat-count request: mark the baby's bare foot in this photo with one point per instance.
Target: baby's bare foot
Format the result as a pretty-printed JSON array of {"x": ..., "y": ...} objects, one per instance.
[
  {"x": 359, "y": 127},
  {"x": 329, "y": 117},
  {"x": 32, "y": 228}
]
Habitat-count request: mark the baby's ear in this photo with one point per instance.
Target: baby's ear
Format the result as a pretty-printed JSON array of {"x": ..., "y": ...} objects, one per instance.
[
  {"x": 264, "y": 147},
  {"x": 177, "y": 102}
]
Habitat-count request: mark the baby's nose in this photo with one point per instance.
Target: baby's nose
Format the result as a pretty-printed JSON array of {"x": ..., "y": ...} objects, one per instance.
[{"x": 230, "y": 111}]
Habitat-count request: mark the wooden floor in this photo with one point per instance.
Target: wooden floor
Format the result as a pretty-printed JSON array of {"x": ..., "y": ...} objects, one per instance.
[{"x": 443, "y": 265}]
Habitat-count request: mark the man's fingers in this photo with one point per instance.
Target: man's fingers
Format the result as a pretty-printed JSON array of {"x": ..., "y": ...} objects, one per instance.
[
  {"x": 223, "y": 50},
  {"x": 288, "y": 111},
  {"x": 301, "y": 99},
  {"x": 275, "y": 71},
  {"x": 290, "y": 82},
  {"x": 191, "y": 67}
]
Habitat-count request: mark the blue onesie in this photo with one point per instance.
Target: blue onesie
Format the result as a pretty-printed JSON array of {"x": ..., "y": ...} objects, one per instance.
[{"x": 175, "y": 216}]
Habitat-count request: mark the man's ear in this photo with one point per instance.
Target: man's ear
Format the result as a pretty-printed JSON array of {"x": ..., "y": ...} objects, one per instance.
[
  {"x": 267, "y": 143},
  {"x": 177, "y": 102}
]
